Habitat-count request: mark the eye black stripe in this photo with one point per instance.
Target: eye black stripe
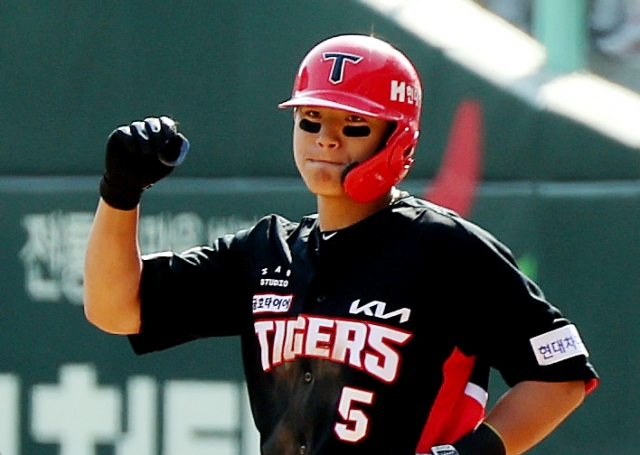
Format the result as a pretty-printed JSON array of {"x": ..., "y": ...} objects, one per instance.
[
  {"x": 356, "y": 131},
  {"x": 309, "y": 126}
]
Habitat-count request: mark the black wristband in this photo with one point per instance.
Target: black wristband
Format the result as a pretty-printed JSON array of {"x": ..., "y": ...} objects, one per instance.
[
  {"x": 119, "y": 198},
  {"x": 484, "y": 440}
]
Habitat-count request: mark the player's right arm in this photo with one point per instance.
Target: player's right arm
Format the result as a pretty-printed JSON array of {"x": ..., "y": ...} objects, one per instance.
[
  {"x": 137, "y": 156},
  {"x": 112, "y": 271}
]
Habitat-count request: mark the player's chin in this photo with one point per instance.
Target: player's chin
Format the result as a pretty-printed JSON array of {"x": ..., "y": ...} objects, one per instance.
[
  {"x": 324, "y": 185},
  {"x": 322, "y": 175}
]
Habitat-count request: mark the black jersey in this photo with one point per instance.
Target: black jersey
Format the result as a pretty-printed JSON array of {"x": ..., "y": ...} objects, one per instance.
[{"x": 377, "y": 338}]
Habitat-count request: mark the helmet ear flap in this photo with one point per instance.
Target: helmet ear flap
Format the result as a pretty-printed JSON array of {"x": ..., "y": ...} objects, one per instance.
[{"x": 366, "y": 181}]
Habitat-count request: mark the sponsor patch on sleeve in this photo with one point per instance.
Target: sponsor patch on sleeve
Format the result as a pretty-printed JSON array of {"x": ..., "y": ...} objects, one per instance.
[
  {"x": 271, "y": 303},
  {"x": 558, "y": 345}
]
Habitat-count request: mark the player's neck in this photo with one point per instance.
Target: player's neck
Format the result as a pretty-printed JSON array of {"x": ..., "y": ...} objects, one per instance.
[{"x": 340, "y": 212}]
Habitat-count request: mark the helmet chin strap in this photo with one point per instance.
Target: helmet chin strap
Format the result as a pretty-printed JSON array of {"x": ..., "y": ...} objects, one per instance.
[
  {"x": 396, "y": 193},
  {"x": 347, "y": 169}
]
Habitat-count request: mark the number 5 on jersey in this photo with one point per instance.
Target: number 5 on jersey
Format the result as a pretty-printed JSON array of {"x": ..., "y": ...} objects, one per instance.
[{"x": 356, "y": 422}]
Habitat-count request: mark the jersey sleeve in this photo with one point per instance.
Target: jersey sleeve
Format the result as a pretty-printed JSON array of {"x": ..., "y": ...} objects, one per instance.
[
  {"x": 194, "y": 294},
  {"x": 509, "y": 321}
]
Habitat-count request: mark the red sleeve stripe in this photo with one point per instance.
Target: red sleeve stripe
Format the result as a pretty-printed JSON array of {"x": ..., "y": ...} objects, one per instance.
[
  {"x": 477, "y": 393},
  {"x": 459, "y": 406}
]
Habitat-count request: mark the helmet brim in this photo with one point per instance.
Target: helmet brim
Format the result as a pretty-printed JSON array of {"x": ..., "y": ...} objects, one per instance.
[{"x": 341, "y": 101}]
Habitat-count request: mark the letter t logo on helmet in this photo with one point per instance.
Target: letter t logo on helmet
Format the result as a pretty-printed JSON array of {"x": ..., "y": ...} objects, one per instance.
[
  {"x": 366, "y": 76},
  {"x": 339, "y": 61}
]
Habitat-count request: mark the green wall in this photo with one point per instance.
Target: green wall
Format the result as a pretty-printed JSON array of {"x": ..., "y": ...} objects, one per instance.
[{"x": 71, "y": 72}]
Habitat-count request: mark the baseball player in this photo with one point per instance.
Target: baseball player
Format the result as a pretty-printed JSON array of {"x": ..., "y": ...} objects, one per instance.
[{"x": 368, "y": 328}]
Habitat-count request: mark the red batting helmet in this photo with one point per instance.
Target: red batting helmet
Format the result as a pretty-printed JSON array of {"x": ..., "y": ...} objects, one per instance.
[{"x": 366, "y": 76}]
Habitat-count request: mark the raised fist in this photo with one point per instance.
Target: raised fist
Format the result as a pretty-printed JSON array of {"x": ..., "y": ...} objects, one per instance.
[{"x": 137, "y": 156}]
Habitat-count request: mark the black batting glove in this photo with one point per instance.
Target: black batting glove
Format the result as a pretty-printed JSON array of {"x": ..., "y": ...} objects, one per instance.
[{"x": 137, "y": 156}]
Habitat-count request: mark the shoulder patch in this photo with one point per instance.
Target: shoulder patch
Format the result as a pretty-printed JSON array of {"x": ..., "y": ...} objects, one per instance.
[{"x": 558, "y": 345}]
